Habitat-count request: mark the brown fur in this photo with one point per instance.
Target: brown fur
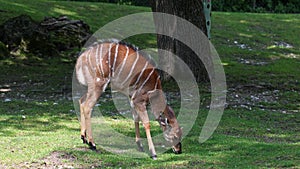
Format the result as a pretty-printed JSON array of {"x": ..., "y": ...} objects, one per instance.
[{"x": 141, "y": 88}]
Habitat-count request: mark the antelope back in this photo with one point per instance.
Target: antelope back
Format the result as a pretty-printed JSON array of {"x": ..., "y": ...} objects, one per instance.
[{"x": 121, "y": 63}]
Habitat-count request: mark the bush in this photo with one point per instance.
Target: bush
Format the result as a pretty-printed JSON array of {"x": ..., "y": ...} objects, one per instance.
[
  {"x": 274, "y": 6},
  {"x": 122, "y": 2},
  {"x": 3, "y": 51}
]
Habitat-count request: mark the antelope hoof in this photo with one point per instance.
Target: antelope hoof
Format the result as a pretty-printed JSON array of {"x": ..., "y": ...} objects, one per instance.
[
  {"x": 141, "y": 149},
  {"x": 92, "y": 146},
  {"x": 84, "y": 141},
  {"x": 154, "y": 157},
  {"x": 140, "y": 146}
]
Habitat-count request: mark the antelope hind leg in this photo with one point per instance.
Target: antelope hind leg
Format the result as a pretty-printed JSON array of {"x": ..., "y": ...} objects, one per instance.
[
  {"x": 86, "y": 107},
  {"x": 82, "y": 121},
  {"x": 137, "y": 130},
  {"x": 138, "y": 137},
  {"x": 142, "y": 113}
]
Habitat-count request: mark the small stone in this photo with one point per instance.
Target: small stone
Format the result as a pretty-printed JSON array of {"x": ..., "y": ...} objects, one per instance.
[{"x": 7, "y": 100}]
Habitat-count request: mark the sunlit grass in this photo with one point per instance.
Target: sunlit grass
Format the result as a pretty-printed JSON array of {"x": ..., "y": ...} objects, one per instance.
[
  {"x": 64, "y": 11},
  {"x": 30, "y": 132},
  {"x": 95, "y": 14}
]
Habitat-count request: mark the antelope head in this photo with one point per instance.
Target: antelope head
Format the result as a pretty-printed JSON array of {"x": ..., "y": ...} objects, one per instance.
[
  {"x": 167, "y": 120},
  {"x": 171, "y": 129}
]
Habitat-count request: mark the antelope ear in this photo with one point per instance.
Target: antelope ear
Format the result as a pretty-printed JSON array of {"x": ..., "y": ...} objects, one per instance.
[
  {"x": 180, "y": 129},
  {"x": 157, "y": 102}
]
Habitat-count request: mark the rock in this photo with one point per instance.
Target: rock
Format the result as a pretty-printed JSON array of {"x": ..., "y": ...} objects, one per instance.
[
  {"x": 14, "y": 30},
  {"x": 64, "y": 33},
  {"x": 47, "y": 38}
]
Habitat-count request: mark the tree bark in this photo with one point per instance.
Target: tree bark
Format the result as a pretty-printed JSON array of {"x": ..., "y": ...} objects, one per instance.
[{"x": 192, "y": 11}]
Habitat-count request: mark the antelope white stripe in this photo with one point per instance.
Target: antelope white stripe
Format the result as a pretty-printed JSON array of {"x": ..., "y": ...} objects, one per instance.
[
  {"x": 124, "y": 61},
  {"x": 101, "y": 59},
  {"x": 115, "y": 59},
  {"x": 146, "y": 79},
  {"x": 105, "y": 85},
  {"x": 133, "y": 66},
  {"x": 87, "y": 55},
  {"x": 80, "y": 72},
  {"x": 97, "y": 59},
  {"x": 89, "y": 61},
  {"x": 140, "y": 75},
  {"x": 156, "y": 82},
  {"x": 109, "y": 55}
]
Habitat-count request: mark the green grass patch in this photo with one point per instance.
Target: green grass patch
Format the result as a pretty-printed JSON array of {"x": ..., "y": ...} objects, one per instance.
[
  {"x": 31, "y": 130},
  {"x": 243, "y": 139},
  {"x": 95, "y": 14},
  {"x": 258, "y": 38}
]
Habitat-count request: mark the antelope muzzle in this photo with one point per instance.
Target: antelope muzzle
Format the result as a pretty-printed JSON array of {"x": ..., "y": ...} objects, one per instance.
[{"x": 177, "y": 148}]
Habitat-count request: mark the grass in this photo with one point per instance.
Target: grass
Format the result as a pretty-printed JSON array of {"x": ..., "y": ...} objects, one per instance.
[
  {"x": 30, "y": 130},
  {"x": 37, "y": 117},
  {"x": 243, "y": 139},
  {"x": 260, "y": 33},
  {"x": 95, "y": 14}
]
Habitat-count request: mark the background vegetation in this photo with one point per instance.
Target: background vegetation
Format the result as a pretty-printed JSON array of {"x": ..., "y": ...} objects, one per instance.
[
  {"x": 273, "y": 6},
  {"x": 259, "y": 128}
]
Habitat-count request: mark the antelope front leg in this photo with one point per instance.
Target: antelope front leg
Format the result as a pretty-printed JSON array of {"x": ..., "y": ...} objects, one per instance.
[
  {"x": 142, "y": 112},
  {"x": 150, "y": 143}
]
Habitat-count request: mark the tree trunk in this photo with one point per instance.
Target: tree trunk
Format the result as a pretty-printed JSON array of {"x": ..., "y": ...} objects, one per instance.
[
  {"x": 254, "y": 5},
  {"x": 192, "y": 11}
]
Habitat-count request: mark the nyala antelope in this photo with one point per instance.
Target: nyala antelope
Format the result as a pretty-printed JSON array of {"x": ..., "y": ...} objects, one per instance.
[{"x": 130, "y": 72}]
